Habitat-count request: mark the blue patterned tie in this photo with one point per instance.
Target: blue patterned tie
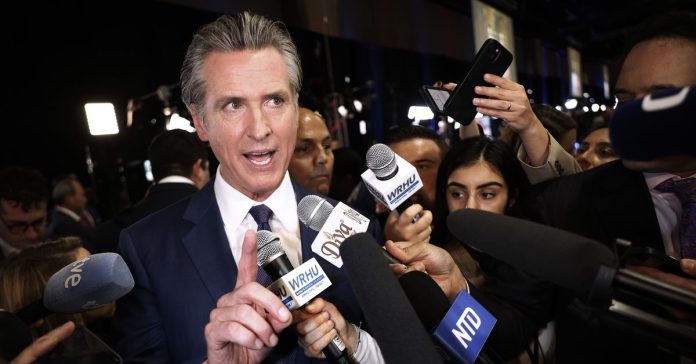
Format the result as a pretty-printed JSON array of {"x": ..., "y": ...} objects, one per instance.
[
  {"x": 285, "y": 351},
  {"x": 685, "y": 190},
  {"x": 261, "y": 214}
]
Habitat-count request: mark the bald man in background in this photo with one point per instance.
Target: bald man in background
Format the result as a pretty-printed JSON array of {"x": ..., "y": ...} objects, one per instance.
[{"x": 312, "y": 161}]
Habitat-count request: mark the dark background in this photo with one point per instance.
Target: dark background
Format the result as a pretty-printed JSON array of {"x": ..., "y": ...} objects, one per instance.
[{"x": 61, "y": 55}]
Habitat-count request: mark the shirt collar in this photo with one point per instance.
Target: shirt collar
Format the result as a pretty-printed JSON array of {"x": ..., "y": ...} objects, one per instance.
[
  {"x": 175, "y": 179},
  {"x": 234, "y": 205},
  {"x": 68, "y": 212},
  {"x": 654, "y": 179}
]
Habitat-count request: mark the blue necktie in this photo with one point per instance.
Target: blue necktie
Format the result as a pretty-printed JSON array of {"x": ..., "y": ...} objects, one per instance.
[
  {"x": 261, "y": 214},
  {"x": 286, "y": 354}
]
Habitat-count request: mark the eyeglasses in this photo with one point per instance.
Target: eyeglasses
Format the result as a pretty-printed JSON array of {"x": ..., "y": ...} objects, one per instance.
[{"x": 22, "y": 227}]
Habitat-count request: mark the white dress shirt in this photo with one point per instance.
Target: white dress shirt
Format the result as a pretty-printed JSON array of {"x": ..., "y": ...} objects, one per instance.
[
  {"x": 668, "y": 209},
  {"x": 234, "y": 209}
]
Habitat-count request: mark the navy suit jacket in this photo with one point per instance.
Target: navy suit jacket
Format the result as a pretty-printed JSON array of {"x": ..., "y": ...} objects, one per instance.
[
  {"x": 182, "y": 264},
  {"x": 158, "y": 197},
  {"x": 63, "y": 225}
]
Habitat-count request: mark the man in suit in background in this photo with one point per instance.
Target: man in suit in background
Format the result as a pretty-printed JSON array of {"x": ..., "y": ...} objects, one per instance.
[
  {"x": 180, "y": 168},
  {"x": 194, "y": 263},
  {"x": 23, "y": 199},
  {"x": 622, "y": 199},
  {"x": 70, "y": 217},
  {"x": 312, "y": 162}
]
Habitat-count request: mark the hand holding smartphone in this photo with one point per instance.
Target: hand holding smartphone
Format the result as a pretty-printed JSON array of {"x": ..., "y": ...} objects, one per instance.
[{"x": 492, "y": 58}]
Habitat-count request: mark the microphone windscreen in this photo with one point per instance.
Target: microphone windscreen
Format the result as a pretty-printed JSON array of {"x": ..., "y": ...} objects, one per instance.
[
  {"x": 428, "y": 300},
  {"x": 657, "y": 125},
  {"x": 392, "y": 320},
  {"x": 381, "y": 160},
  {"x": 313, "y": 211},
  {"x": 88, "y": 283},
  {"x": 564, "y": 258}
]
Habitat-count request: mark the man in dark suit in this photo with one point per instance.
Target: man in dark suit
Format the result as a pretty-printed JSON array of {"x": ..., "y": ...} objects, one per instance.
[
  {"x": 70, "y": 217},
  {"x": 194, "y": 263},
  {"x": 180, "y": 168},
  {"x": 622, "y": 199}
]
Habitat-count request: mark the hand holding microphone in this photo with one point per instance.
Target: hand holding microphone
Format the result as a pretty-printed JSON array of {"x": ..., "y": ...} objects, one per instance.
[
  {"x": 413, "y": 224},
  {"x": 435, "y": 261},
  {"x": 318, "y": 323},
  {"x": 296, "y": 287},
  {"x": 244, "y": 325}
]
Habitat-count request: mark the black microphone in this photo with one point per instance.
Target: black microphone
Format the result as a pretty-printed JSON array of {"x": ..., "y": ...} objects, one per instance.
[
  {"x": 389, "y": 178},
  {"x": 582, "y": 265},
  {"x": 428, "y": 300},
  {"x": 566, "y": 259},
  {"x": 272, "y": 258},
  {"x": 392, "y": 320}
]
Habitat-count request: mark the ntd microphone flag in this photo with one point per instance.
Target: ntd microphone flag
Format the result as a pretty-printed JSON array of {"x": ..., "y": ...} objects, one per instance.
[{"x": 465, "y": 328}]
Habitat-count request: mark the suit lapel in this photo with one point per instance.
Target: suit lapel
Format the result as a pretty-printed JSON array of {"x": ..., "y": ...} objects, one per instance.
[
  {"x": 307, "y": 235},
  {"x": 625, "y": 209},
  {"x": 207, "y": 244}
]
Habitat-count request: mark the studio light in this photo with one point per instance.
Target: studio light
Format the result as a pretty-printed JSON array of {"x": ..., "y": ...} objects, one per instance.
[
  {"x": 418, "y": 113},
  {"x": 177, "y": 122},
  {"x": 101, "y": 118}
]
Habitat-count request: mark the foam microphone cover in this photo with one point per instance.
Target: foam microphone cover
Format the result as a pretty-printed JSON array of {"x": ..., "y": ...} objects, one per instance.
[
  {"x": 392, "y": 320},
  {"x": 101, "y": 279},
  {"x": 426, "y": 297},
  {"x": 566, "y": 259},
  {"x": 657, "y": 125}
]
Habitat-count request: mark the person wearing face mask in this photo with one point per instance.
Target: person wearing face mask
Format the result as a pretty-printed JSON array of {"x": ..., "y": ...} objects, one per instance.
[{"x": 631, "y": 198}]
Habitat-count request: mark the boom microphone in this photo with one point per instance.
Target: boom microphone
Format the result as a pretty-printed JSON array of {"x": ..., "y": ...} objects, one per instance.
[
  {"x": 82, "y": 286},
  {"x": 392, "y": 320},
  {"x": 272, "y": 258},
  {"x": 566, "y": 259},
  {"x": 569, "y": 260},
  {"x": 389, "y": 178}
]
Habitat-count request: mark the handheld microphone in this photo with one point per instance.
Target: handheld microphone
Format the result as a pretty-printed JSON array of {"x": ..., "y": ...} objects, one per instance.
[
  {"x": 390, "y": 178},
  {"x": 79, "y": 286},
  {"x": 335, "y": 224},
  {"x": 392, "y": 320},
  {"x": 82, "y": 286},
  {"x": 273, "y": 260}
]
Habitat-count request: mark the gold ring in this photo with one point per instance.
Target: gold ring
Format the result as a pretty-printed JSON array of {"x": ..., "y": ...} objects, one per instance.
[{"x": 509, "y": 106}]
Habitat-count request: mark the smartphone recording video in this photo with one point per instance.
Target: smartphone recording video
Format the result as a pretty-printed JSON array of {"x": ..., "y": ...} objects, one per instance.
[
  {"x": 436, "y": 98},
  {"x": 491, "y": 58}
]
